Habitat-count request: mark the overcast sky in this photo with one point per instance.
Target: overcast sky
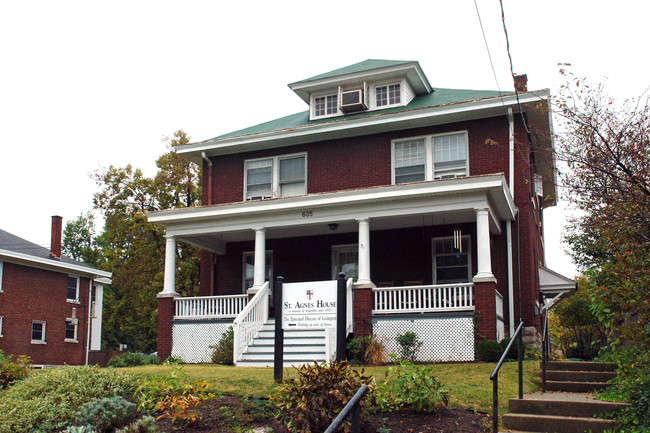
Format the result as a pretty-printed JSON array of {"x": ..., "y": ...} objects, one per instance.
[{"x": 89, "y": 84}]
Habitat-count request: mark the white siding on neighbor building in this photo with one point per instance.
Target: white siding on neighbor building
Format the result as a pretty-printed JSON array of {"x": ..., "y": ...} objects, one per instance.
[
  {"x": 445, "y": 338},
  {"x": 191, "y": 340},
  {"x": 407, "y": 93},
  {"x": 96, "y": 319}
]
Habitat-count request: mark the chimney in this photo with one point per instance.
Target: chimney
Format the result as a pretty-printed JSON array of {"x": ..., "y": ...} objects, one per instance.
[
  {"x": 55, "y": 245},
  {"x": 521, "y": 82}
]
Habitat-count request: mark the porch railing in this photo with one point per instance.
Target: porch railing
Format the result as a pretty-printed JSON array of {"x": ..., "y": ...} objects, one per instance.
[
  {"x": 423, "y": 299},
  {"x": 350, "y": 310},
  {"x": 250, "y": 321},
  {"x": 210, "y": 307}
]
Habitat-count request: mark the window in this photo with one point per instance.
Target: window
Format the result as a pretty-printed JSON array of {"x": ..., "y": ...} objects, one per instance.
[
  {"x": 345, "y": 258},
  {"x": 432, "y": 157},
  {"x": 249, "y": 269},
  {"x": 451, "y": 264},
  {"x": 73, "y": 289},
  {"x": 71, "y": 330},
  {"x": 388, "y": 95},
  {"x": 38, "y": 332},
  {"x": 280, "y": 176},
  {"x": 326, "y": 105}
]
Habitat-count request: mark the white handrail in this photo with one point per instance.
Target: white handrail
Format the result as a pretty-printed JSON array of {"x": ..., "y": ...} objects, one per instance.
[
  {"x": 250, "y": 321},
  {"x": 350, "y": 308},
  {"x": 209, "y": 307},
  {"x": 423, "y": 299}
]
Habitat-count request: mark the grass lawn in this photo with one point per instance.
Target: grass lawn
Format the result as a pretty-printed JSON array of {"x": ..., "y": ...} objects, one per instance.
[{"x": 469, "y": 383}]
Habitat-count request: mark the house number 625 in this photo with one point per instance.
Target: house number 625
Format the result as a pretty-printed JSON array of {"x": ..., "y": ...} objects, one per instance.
[{"x": 308, "y": 214}]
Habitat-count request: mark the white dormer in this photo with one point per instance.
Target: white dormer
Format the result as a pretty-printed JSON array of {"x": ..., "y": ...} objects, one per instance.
[{"x": 366, "y": 86}]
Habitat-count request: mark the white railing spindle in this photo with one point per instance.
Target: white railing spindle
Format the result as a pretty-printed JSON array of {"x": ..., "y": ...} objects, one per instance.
[
  {"x": 210, "y": 307},
  {"x": 250, "y": 321},
  {"x": 419, "y": 299}
]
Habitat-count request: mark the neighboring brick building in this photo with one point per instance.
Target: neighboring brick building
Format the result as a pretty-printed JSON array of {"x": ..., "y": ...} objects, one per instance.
[
  {"x": 50, "y": 304},
  {"x": 430, "y": 198}
]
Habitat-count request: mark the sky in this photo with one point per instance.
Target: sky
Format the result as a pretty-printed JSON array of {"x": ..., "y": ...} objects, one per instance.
[{"x": 89, "y": 84}]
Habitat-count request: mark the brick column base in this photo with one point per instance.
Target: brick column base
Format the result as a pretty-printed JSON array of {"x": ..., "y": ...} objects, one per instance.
[
  {"x": 485, "y": 308},
  {"x": 165, "y": 319},
  {"x": 362, "y": 310}
]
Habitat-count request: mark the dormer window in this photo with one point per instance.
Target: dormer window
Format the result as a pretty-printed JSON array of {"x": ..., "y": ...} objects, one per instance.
[
  {"x": 388, "y": 95},
  {"x": 325, "y": 105}
]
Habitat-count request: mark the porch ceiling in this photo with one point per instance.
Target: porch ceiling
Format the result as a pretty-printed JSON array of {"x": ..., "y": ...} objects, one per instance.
[{"x": 450, "y": 201}]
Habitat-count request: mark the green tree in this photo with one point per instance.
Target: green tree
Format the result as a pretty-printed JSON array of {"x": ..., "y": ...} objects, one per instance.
[{"x": 79, "y": 240}]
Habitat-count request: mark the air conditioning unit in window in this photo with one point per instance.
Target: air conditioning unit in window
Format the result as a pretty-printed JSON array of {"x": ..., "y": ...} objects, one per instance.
[{"x": 352, "y": 101}]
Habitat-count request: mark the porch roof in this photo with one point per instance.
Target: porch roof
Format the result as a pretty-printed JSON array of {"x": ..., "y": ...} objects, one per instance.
[{"x": 448, "y": 201}]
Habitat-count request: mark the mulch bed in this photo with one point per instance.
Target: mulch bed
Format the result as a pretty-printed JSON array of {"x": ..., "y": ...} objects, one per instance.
[{"x": 238, "y": 415}]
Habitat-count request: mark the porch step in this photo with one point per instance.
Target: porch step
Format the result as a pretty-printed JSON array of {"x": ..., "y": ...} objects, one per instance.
[
  {"x": 580, "y": 376},
  {"x": 556, "y": 424},
  {"x": 578, "y": 366},
  {"x": 575, "y": 386}
]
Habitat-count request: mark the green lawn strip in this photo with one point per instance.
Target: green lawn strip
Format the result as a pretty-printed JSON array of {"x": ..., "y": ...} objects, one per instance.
[{"x": 469, "y": 383}]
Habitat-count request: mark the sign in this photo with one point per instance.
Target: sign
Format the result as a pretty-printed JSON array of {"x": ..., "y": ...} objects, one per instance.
[{"x": 309, "y": 305}]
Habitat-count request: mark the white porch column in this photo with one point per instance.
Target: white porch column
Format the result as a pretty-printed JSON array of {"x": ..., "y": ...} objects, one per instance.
[
  {"x": 483, "y": 245},
  {"x": 259, "y": 265},
  {"x": 364, "y": 251},
  {"x": 169, "y": 286}
]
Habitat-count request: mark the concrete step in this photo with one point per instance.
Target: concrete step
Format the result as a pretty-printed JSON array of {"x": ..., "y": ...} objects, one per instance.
[
  {"x": 555, "y": 424},
  {"x": 578, "y": 366},
  {"x": 266, "y": 364},
  {"x": 289, "y": 357},
  {"x": 263, "y": 348},
  {"x": 293, "y": 334},
  {"x": 562, "y": 404},
  {"x": 579, "y": 376},
  {"x": 564, "y": 386}
]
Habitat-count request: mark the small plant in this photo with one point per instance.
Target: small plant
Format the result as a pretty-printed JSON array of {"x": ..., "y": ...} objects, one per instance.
[
  {"x": 223, "y": 351},
  {"x": 409, "y": 345},
  {"x": 310, "y": 402},
  {"x": 172, "y": 360},
  {"x": 409, "y": 386},
  {"x": 375, "y": 352},
  {"x": 104, "y": 413},
  {"x": 366, "y": 350},
  {"x": 488, "y": 351},
  {"x": 12, "y": 371},
  {"x": 132, "y": 359},
  {"x": 79, "y": 429},
  {"x": 146, "y": 424},
  {"x": 148, "y": 392},
  {"x": 178, "y": 406}
]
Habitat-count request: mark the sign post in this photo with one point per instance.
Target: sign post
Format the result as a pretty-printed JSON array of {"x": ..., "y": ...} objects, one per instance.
[{"x": 278, "y": 355}]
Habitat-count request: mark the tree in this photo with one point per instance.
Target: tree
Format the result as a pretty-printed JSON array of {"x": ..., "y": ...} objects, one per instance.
[
  {"x": 605, "y": 146},
  {"x": 79, "y": 240},
  {"x": 134, "y": 250}
]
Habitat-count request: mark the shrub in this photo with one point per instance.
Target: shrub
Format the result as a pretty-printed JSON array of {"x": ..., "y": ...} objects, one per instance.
[
  {"x": 514, "y": 351},
  {"x": 148, "y": 392},
  {"x": 310, "y": 402},
  {"x": 12, "y": 371},
  {"x": 132, "y": 359},
  {"x": 146, "y": 424},
  {"x": 49, "y": 400},
  {"x": 366, "y": 350},
  {"x": 409, "y": 386},
  {"x": 223, "y": 351},
  {"x": 409, "y": 345},
  {"x": 488, "y": 351},
  {"x": 375, "y": 352},
  {"x": 105, "y": 412}
]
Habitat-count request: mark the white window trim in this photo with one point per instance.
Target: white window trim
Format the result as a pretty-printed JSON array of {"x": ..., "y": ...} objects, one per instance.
[
  {"x": 1, "y": 323},
  {"x": 275, "y": 172},
  {"x": 433, "y": 256},
  {"x": 76, "y": 300},
  {"x": 76, "y": 330},
  {"x": 43, "y": 340},
  {"x": 243, "y": 267},
  {"x": 345, "y": 248},
  {"x": 312, "y": 105},
  {"x": 373, "y": 95},
  {"x": 429, "y": 168},
  {"x": 1, "y": 274}
]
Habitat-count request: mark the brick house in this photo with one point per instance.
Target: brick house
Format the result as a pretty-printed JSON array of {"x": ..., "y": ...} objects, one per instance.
[
  {"x": 430, "y": 200},
  {"x": 50, "y": 304}
]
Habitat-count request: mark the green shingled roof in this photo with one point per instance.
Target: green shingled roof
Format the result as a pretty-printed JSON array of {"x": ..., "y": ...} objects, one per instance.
[
  {"x": 436, "y": 98},
  {"x": 366, "y": 65}
]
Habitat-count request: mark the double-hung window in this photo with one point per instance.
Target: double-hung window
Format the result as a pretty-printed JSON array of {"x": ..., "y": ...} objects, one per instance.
[
  {"x": 280, "y": 176},
  {"x": 431, "y": 157},
  {"x": 73, "y": 289},
  {"x": 38, "y": 332},
  {"x": 388, "y": 95},
  {"x": 326, "y": 105},
  {"x": 71, "y": 326},
  {"x": 249, "y": 269},
  {"x": 451, "y": 263}
]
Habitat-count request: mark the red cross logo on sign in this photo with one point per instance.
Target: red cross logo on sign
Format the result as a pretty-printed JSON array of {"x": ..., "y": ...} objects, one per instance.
[{"x": 310, "y": 294}]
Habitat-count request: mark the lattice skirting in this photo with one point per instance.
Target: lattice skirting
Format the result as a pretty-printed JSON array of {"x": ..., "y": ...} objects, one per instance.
[
  {"x": 444, "y": 337},
  {"x": 191, "y": 339}
]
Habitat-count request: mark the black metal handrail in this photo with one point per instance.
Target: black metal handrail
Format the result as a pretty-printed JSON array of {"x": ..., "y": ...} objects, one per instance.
[
  {"x": 494, "y": 377},
  {"x": 352, "y": 406}
]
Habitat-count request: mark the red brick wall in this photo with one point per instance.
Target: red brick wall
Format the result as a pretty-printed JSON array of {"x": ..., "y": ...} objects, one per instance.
[
  {"x": 362, "y": 312},
  {"x": 36, "y": 294},
  {"x": 165, "y": 318}
]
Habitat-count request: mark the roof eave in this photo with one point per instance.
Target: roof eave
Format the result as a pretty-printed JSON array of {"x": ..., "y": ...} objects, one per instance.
[{"x": 52, "y": 264}]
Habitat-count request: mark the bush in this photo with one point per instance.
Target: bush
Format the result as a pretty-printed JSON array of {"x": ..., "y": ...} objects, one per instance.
[
  {"x": 146, "y": 424},
  {"x": 366, "y": 350},
  {"x": 488, "y": 351},
  {"x": 514, "y": 351},
  {"x": 104, "y": 413},
  {"x": 11, "y": 371},
  {"x": 310, "y": 402},
  {"x": 133, "y": 359},
  {"x": 148, "y": 392},
  {"x": 49, "y": 400},
  {"x": 409, "y": 386},
  {"x": 375, "y": 352},
  {"x": 223, "y": 351},
  {"x": 409, "y": 345}
]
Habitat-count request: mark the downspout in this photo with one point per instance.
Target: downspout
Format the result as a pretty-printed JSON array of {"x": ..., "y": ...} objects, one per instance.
[
  {"x": 88, "y": 325},
  {"x": 511, "y": 184},
  {"x": 207, "y": 160}
]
